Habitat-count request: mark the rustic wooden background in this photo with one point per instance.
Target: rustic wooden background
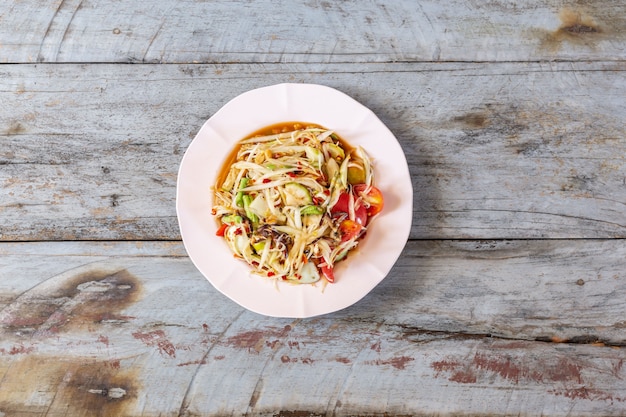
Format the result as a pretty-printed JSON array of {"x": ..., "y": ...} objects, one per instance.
[{"x": 509, "y": 298}]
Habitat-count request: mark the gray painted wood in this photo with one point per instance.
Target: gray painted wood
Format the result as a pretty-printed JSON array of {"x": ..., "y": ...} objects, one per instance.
[
  {"x": 310, "y": 31},
  {"x": 95, "y": 328},
  {"x": 514, "y": 150},
  {"x": 508, "y": 300}
]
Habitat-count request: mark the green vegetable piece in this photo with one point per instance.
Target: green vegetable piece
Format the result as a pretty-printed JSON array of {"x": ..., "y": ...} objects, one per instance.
[
  {"x": 239, "y": 197},
  {"x": 335, "y": 151},
  {"x": 310, "y": 210},
  {"x": 247, "y": 199},
  {"x": 297, "y": 194},
  {"x": 342, "y": 255},
  {"x": 259, "y": 246},
  {"x": 315, "y": 156},
  {"x": 232, "y": 219}
]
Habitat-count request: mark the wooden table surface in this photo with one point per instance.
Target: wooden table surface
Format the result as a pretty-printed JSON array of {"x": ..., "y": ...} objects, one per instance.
[{"x": 508, "y": 299}]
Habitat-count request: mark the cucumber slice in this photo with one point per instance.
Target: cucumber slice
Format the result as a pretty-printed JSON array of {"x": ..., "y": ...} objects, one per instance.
[
  {"x": 296, "y": 195},
  {"x": 232, "y": 219},
  {"x": 308, "y": 210},
  {"x": 309, "y": 273},
  {"x": 315, "y": 156}
]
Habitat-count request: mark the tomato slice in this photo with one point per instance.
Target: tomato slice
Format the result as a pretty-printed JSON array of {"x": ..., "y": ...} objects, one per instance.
[
  {"x": 373, "y": 198},
  {"x": 221, "y": 230},
  {"x": 360, "y": 213},
  {"x": 328, "y": 273},
  {"x": 343, "y": 206},
  {"x": 349, "y": 229}
]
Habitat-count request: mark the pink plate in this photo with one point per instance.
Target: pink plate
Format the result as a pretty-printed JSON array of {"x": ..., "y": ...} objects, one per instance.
[{"x": 255, "y": 109}]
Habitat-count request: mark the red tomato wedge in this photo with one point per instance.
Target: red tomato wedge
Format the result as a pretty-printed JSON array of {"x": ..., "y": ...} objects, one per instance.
[
  {"x": 360, "y": 214},
  {"x": 343, "y": 206},
  {"x": 328, "y": 273},
  {"x": 372, "y": 197},
  {"x": 349, "y": 229},
  {"x": 222, "y": 230}
]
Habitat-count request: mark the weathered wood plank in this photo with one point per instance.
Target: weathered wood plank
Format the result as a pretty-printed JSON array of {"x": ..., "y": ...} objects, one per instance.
[
  {"x": 568, "y": 290},
  {"x": 310, "y": 31},
  {"x": 95, "y": 328},
  {"x": 495, "y": 150}
]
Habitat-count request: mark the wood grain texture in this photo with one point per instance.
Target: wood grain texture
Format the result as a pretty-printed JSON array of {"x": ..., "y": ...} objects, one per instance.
[
  {"x": 531, "y": 290},
  {"x": 508, "y": 298},
  {"x": 96, "y": 328},
  {"x": 310, "y": 31},
  {"x": 512, "y": 150}
]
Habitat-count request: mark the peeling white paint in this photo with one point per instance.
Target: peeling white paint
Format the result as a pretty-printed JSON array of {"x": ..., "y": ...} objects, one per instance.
[
  {"x": 94, "y": 286},
  {"x": 114, "y": 393}
]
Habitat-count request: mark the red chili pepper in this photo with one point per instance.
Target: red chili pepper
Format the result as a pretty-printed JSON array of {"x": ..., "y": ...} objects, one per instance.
[
  {"x": 270, "y": 274},
  {"x": 292, "y": 174},
  {"x": 221, "y": 230},
  {"x": 266, "y": 180}
]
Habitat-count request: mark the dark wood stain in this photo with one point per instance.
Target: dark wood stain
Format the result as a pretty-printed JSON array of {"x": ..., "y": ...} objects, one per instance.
[
  {"x": 272, "y": 344},
  {"x": 72, "y": 304},
  {"x": 584, "y": 393},
  {"x": 577, "y": 27},
  {"x": 78, "y": 386},
  {"x": 18, "y": 349},
  {"x": 15, "y": 129},
  {"x": 198, "y": 362},
  {"x": 576, "y": 23},
  {"x": 445, "y": 365},
  {"x": 580, "y": 28},
  {"x": 376, "y": 347},
  {"x": 492, "y": 122},
  {"x": 256, "y": 339},
  {"x": 512, "y": 368},
  {"x": 158, "y": 339},
  {"x": 463, "y": 377},
  {"x": 473, "y": 120},
  {"x": 518, "y": 369},
  {"x": 85, "y": 388},
  {"x": 288, "y": 359},
  {"x": 297, "y": 413},
  {"x": 398, "y": 362}
]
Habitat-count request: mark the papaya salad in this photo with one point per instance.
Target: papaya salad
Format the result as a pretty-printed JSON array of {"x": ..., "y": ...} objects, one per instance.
[{"x": 294, "y": 201}]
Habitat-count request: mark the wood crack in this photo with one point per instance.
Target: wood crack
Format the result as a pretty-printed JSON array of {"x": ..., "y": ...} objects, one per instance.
[{"x": 414, "y": 332}]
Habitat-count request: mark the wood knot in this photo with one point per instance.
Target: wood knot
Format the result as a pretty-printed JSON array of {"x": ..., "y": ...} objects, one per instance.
[{"x": 580, "y": 29}]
